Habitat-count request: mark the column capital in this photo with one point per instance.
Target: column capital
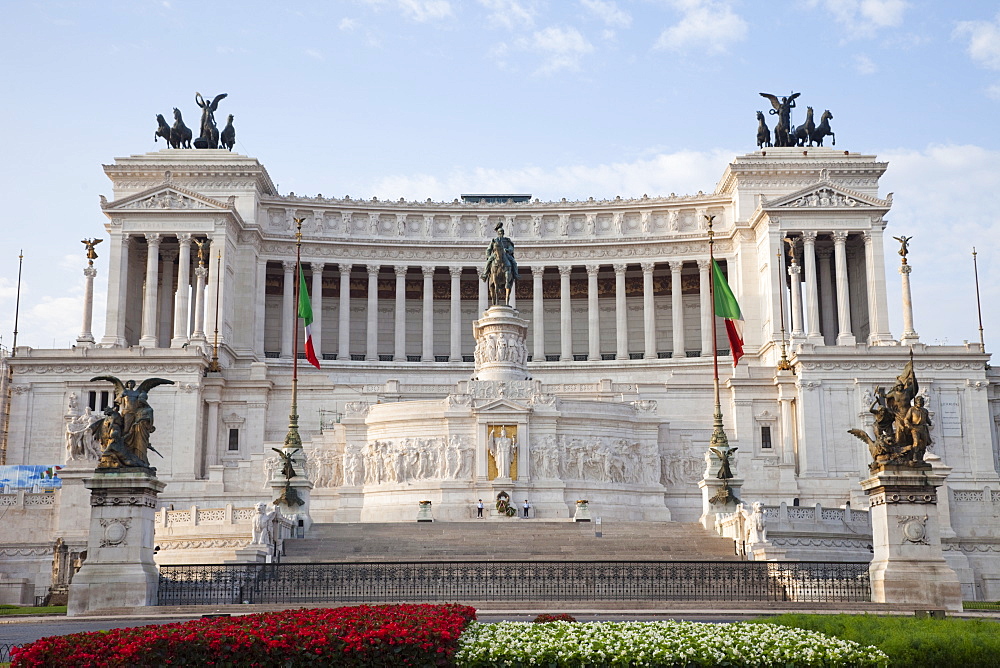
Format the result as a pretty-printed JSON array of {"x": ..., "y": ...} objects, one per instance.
[
  {"x": 704, "y": 265},
  {"x": 456, "y": 272},
  {"x": 592, "y": 270},
  {"x": 184, "y": 238},
  {"x": 565, "y": 270},
  {"x": 905, "y": 269},
  {"x": 317, "y": 267},
  {"x": 153, "y": 238},
  {"x": 794, "y": 269},
  {"x": 90, "y": 272},
  {"x": 428, "y": 272},
  {"x": 288, "y": 266},
  {"x": 345, "y": 268},
  {"x": 126, "y": 239},
  {"x": 808, "y": 237},
  {"x": 200, "y": 271},
  {"x": 647, "y": 267},
  {"x": 867, "y": 236},
  {"x": 620, "y": 268},
  {"x": 676, "y": 265},
  {"x": 373, "y": 269},
  {"x": 400, "y": 269},
  {"x": 537, "y": 271},
  {"x": 840, "y": 237}
]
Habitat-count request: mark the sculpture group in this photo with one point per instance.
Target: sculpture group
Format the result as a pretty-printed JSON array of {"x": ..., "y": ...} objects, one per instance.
[
  {"x": 123, "y": 433},
  {"x": 179, "y": 135},
  {"x": 902, "y": 424},
  {"x": 807, "y": 134}
]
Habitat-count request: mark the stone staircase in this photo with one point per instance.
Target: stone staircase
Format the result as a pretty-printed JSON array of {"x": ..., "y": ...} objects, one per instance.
[{"x": 516, "y": 540}]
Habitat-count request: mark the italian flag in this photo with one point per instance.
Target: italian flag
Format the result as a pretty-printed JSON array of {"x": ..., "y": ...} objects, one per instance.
[
  {"x": 306, "y": 313},
  {"x": 727, "y": 307}
]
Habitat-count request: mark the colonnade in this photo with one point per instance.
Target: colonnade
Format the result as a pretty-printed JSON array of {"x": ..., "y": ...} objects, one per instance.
[
  {"x": 534, "y": 311},
  {"x": 821, "y": 309}
]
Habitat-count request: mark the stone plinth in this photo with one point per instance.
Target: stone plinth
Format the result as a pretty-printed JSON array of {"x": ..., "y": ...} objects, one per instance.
[
  {"x": 501, "y": 345},
  {"x": 908, "y": 567},
  {"x": 424, "y": 512},
  {"x": 119, "y": 570},
  {"x": 582, "y": 513},
  {"x": 715, "y": 501},
  {"x": 301, "y": 487}
]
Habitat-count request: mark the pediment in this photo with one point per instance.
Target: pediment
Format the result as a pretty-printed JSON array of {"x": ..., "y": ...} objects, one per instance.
[
  {"x": 166, "y": 197},
  {"x": 827, "y": 196},
  {"x": 501, "y": 406}
]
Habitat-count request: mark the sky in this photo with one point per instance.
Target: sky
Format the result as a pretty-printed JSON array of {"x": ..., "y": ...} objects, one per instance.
[{"x": 432, "y": 98}]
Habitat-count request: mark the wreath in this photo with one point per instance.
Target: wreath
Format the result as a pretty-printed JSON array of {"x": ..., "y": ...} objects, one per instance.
[{"x": 503, "y": 505}]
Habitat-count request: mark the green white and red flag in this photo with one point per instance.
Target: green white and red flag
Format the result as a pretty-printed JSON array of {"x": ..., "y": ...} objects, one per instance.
[
  {"x": 306, "y": 313},
  {"x": 728, "y": 308}
]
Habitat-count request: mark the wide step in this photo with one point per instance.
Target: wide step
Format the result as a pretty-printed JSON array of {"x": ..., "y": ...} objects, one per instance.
[{"x": 514, "y": 540}]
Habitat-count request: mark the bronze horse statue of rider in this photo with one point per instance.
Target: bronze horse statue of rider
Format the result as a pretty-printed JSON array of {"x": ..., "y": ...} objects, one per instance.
[{"x": 501, "y": 268}]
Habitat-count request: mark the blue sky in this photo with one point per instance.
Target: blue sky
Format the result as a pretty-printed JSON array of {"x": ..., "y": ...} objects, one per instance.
[{"x": 431, "y": 98}]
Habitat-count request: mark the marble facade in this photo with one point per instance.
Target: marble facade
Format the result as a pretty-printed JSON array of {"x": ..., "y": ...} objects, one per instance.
[{"x": 616, "y": 403}]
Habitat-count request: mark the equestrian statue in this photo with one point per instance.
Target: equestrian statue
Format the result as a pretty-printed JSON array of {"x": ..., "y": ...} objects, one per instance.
[{"x": 501, "y": 268}]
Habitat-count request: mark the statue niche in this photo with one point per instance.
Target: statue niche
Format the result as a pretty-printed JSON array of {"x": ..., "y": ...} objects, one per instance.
[{"x": 501, "y": 448}]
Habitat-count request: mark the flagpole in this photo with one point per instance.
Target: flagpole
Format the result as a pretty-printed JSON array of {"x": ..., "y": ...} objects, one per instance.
[
  {"x": 979, "y": 306},
  {"x": 214, "y": 364},
  {"x": 718, "y": 439},
  {"x": 783, "y": 363},
  {"x": 9, "y": 371},
  {"x": 292, "y": 439}
]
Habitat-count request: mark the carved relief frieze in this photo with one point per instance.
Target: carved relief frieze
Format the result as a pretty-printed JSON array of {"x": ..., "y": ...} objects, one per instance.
[
  {"x": 115, "y": 531},
  {"x": 122, "y": 498}
]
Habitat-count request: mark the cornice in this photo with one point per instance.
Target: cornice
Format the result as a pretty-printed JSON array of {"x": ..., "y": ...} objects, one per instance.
[{"x": 534, "y": 207}]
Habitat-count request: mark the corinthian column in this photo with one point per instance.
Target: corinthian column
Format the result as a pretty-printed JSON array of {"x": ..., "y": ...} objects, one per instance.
[
  {"x": 118, "y": 278},
  {"x": 149, "y": 338},
  {"x": 455, "y": 352},
  {"x": 537, "y": 314},
  {"x": 707, "y": 311},
  {"x": 795, "y": 272},
  {"x": 621, "y": 314},
  {"x": 677, "y": 308},
  {"x": 565, "y": 316},
  {"x": 593, "y": 314},
  {"x": 845, "y": 337},
  {"x": 813, "y": 334},
  {"x": 86, "y": 338},
  {"x": 183, "y": 294},
  {"x": 648, "y": 312},
  {"x": 399, "y": 347},
  {"x": 910, "y": 336},
  {"x": 317, "y": 307},
  {"x": 344, "y": 314},
  {"x": 427, "y": 349},
  {"x": 371, "y": 347},
  {"x": 287, "y": 308},
  {"x": 198, "y": 335}
]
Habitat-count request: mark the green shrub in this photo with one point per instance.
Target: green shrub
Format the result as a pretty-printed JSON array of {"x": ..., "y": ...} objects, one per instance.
[{"x": 909, "y": 641}]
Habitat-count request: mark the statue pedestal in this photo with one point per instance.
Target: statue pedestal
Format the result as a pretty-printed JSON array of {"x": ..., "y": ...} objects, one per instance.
[
  {"x": 582, "y": 513},
  {"x": 908, "y": 567},
  {"x": 119, "y": 570},
  {"x": 300, "y": 487},
  {"x": 712, "y": 503},
  {"x": 424, "y": 512},
  {"x": 501, "y": 345}
]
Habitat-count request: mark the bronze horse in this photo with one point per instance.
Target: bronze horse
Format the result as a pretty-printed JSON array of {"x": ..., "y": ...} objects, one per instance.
[
  {"x": 763, "y": 133},
  {"x": 162, "y": 129},
  {"x": 822, "y": 130},
  {"x": 500, "y": 279},
  {"x": 180, "y": 134},
  {"x": 804, "y": 132}
]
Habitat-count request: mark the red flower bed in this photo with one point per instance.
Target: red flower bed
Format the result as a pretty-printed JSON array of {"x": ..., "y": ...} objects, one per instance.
[
  {"x": 376, "y": 635},
  {"x": 556, "y": 617}
]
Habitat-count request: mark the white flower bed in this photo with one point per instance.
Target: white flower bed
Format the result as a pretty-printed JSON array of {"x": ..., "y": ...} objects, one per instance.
[{"x": 656, "y": 644}]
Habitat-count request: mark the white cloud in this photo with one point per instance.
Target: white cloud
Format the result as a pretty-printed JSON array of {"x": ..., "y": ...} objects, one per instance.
[
  {"x": 509, "y": 14},
  {"x": 562, "y": 48},
  {"x": 984, "y": 41},
  {"x": 864, "y": 65},
  {"x": 426, "y": 10},
  {"x": 684, "y": 173},
  {"x": 863, "y": 17},
  {"x": 315, "y": 54},
  {"x": 707, "y": 26},
  {"x": 608, "y": 12},
  {"x": 347, "y": 24},
  {"x": 993, "y": 91}
]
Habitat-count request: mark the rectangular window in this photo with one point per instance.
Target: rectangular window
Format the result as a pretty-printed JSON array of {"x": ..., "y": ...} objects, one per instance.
[
  {"x": 765, "y": 438},
  {"x": 92, "y": 400},
  {"x": 234, "y": 439}
]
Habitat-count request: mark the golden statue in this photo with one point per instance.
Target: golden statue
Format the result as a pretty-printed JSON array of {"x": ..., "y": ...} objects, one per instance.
[{"x": 91, "y": 253}]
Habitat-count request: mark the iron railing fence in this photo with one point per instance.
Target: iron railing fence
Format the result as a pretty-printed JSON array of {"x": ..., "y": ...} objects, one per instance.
[
  {"x": 6, "y": 649},
  {"x": 286, "y": 583}
]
